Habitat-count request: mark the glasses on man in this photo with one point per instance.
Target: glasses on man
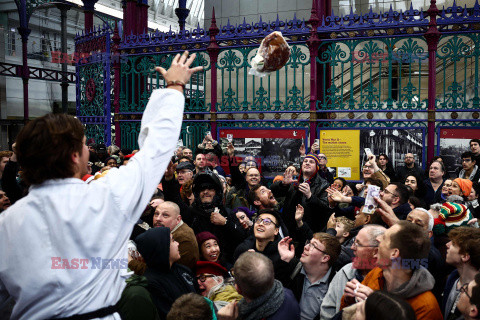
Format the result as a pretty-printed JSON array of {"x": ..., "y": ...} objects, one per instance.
[
  {"x": 203, "y": 277},
  {"x": 310, "y": 243},
  {"x": 356, "y": 244},
  {"x": 466, "y": 160},
  {"x": 368, "y": 167},
  {"x": 266, "y": 222},
  {"x": 464, "y": 289},
  {"x": 386, "y": 191},
  {"x": 322, "y": 157}
]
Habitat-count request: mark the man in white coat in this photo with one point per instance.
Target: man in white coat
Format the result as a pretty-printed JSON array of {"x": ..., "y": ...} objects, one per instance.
[{"x": 63, "y": 247}]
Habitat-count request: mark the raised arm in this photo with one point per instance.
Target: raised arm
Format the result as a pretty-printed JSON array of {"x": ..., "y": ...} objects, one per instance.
[{"x": 133, "y": 185}]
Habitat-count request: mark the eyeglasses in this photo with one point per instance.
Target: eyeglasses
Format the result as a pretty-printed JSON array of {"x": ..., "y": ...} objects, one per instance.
[
  {"x": 355, "y": 244},
  {"x": 322, "y": 158},
  {"x": 389, "y": 192},
  {"x": 464, "y": 289},
  {"x": 466, "y": 160},
  {"x": 409, "y": 157},
  {"x": 266, "y": 222},
  {"x": 203, "y": 277},
  {"x": 309, "y": 243},
  {"x": 367, "y": 167}
]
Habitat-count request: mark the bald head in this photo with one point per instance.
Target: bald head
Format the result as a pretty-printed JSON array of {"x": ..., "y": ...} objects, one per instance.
[{"x": 167, "y": 215}]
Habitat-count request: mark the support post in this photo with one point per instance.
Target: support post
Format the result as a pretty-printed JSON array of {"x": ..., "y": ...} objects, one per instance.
[
  {"x": 433, "y": 37},
  {"x": 63, "y": 14},
  {"x": 116, "y": 84},
  {"x": 213, "y": 51},
  {"x": 182, "y": 13},
  {"x": 142, "y": 14},
  {"x": 313, "y": 43},
  {"x": 89, "y": 9},
  {"x": 24, "y": 33}
]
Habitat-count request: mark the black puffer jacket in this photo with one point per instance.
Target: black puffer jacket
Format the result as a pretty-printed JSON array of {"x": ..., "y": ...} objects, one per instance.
[{"x": 317, "y": 210}]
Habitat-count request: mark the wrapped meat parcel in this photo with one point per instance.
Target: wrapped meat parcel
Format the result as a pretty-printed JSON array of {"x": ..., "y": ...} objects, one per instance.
[{"x": 272, "y": 55}]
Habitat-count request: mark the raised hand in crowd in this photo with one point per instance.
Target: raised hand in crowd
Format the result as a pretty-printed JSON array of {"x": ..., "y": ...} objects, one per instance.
[
  {"x": 314, "y": 148},
  {"x": 170, "y": 172},
  {"x": 179, "y": 72},
  {"x": 230, "y": 150},
  {"x": 305, "y": 189},
  {"x": 337, "y": 196},
  {"x": 288, "y": 176},
  {"x": 332, "y": 221},
  {"x": 217, "y": 219},
  {"x": 386, "y": 212},
  {"x": 372, "y": 159},
  {"x": 299, "y": 212},
  {"x": 302, "y": 149},
  {"x": 355, "y": 289},
  {"x": 286, "y": 249}
]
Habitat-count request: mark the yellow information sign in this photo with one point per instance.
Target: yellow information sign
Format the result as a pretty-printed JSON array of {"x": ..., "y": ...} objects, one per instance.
[{"x": 342, "y": 148}]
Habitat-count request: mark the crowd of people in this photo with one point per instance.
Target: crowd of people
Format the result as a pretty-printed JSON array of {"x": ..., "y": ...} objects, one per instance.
[{"x": 90, "y": 231}]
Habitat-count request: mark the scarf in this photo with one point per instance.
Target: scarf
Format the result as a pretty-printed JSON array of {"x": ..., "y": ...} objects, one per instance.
[{"x": 263, "y": 306}]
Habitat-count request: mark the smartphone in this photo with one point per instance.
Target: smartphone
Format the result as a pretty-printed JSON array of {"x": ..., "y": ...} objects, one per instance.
[
  {"x": 208, "y": 133},
  {"x": 317, "y": 141},
  {"x": 295, "y": 177},
  {"x": 180, "y": 143},
  {"x": 230, "y": 137},
  {"x": 368, "y": 152},
  {"x": 370, "y": 203}
]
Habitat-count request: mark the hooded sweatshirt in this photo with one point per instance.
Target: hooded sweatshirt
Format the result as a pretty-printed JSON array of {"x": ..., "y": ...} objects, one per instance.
[
  {"x": 165, "y": 283},
  {"x": 416, "y": 292}
]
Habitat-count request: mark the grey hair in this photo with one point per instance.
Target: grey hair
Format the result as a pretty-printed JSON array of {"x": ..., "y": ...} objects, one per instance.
[
  {"x": 373, "y": 231},
  {"x": 430, "y": 218}
]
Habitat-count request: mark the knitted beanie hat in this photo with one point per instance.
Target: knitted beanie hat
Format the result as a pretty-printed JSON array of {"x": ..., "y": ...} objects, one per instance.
[
  {"x": 465, "y": 185},
  {"x": 451, "y": 215},
  {"x": 315, "y": 158}
]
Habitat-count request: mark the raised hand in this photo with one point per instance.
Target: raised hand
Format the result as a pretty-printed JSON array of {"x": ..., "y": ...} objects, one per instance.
[
  {"x": 170, "y": 172},
  {"x": 286, "y": 249},
  {"x": 305, "y": 189},
  {"x": 386, "y": 212},
  {"x": 299, "y": 212},
  {"x": 180, "y": 71},
  {"x": 230, "y": 150}
]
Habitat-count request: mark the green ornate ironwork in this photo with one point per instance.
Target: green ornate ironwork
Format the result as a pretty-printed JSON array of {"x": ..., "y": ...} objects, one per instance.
[
  {"x": 285, "y": 89},
  {"x": 266, "y": 125},
  {"x": 458, "y": 56},
  {"x": 376, "y": 74},
  {"x": 129, "y": 136},
  {"x": 371, "y": 124},
  {"x": 95, "y": 132},
  {"x": 139, "y": 79},
  {"x": 192, "y": 133},
  {"x": 91, "y": 79}
]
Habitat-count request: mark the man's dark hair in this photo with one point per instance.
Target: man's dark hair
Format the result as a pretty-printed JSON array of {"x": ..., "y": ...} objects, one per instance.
[
  {"x": 45, "y": 147},
  {"x": 468, "y": 154},
  {"x": 402, "y": 192},
  {"x": 411, "y": 240},
  {"x": 417, "y": 202},
  {"x": 474, "y": 140},
  {"x": 253, "y": 274},
  {"x": 252, "y": 194},
  {"x": 190, "y": 306},
  {"x": 384, "y": 305},
  {"x": 185, "y": 158}
]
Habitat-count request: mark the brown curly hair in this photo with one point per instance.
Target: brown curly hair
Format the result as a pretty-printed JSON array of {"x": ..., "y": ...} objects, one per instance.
[{"x": 45, "y": 147}]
